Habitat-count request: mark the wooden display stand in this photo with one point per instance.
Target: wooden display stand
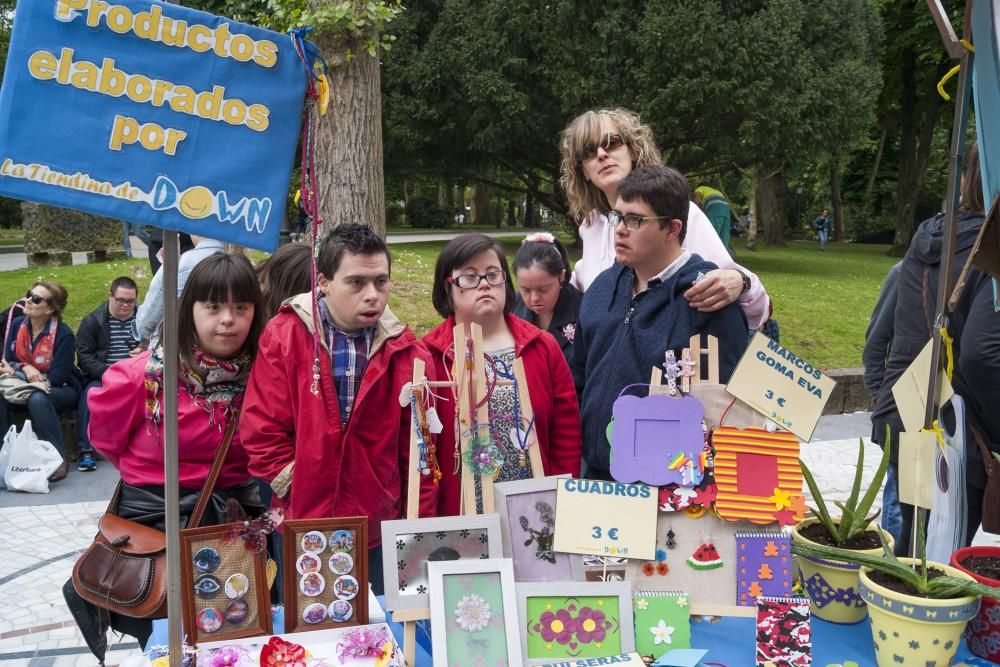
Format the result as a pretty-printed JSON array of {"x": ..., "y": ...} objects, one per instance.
[
  {"x": 467, "y": 396},
  {"x": 706, "y": 359}
]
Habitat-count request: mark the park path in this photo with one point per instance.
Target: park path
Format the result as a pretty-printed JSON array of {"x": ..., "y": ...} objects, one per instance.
[{"x": 18, "y": 260}]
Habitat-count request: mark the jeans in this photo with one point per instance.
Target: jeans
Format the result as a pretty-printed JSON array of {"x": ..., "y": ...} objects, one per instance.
[
  {"x": 43, "y": 410},
  {"x": 892, "y": 519},
  {"x": 133, "y": 228},
  {"x": 823, "y": 235},
  {"x": 83, "y": 419}
]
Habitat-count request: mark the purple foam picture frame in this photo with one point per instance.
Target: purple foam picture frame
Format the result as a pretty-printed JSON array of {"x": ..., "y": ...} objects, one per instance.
[{"x": 649, "y": 432}]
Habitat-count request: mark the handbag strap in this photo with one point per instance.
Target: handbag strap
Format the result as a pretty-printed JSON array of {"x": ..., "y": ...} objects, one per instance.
[
  {"x": 988, "y": 462},
  {"x": 213, "y": 474}
]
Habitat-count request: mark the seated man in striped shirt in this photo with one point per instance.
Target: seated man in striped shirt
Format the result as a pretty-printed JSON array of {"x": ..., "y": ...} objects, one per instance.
[{"x": 105, "y": 336}]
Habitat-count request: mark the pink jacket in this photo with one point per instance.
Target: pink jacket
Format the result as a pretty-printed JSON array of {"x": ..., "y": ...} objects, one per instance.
[
  {"x": 599, "y": 254},
  {"x": 119, "y": 430}
]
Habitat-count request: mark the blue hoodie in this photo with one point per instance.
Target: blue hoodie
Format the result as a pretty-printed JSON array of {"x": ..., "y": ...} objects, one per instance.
[{"x": 621, "y": 337}]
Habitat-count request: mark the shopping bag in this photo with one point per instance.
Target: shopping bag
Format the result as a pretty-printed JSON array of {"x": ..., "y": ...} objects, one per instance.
[
  {"x": 8, "y": 445},
  {"x": 31, "y": 462}
]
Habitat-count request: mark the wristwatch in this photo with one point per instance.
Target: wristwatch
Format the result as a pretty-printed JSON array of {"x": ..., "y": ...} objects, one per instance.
[{"x": 746, "y": 282}]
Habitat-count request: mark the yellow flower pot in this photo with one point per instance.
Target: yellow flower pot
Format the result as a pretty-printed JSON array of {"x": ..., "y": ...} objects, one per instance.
[
  {"x": 911, "y": 630},
  {"x": 832, "y": 586}
]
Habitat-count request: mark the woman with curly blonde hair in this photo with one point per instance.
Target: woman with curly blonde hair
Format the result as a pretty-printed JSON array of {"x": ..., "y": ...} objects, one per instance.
[{"x": 600, "y": 148}]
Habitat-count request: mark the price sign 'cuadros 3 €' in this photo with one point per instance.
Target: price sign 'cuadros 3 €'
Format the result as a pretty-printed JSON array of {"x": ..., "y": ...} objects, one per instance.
[{"x": 152, "y": 113}]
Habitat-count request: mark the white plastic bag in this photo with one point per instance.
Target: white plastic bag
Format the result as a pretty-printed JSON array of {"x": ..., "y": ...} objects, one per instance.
[
  {"x": 8, "y": 445},
  {"x": 31, "y": 463}
]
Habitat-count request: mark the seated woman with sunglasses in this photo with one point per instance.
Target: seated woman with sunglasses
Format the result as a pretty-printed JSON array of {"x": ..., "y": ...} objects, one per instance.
[
  {"x": 40, "y": 347},
  {"x": 472, "y": 284},
  {"x": 599, "y": 149}
]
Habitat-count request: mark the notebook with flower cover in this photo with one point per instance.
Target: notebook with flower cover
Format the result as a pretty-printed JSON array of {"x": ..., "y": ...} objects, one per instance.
[{"x": 662, "y": 622}]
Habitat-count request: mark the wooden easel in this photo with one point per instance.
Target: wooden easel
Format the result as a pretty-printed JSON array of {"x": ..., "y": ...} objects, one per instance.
[
  {"x": 704, "y": 359},
  {"x": 459, "y": 385}
]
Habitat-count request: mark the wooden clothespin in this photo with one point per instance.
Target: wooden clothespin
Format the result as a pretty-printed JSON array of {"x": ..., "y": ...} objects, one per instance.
[{"x": 687, "y": 370}]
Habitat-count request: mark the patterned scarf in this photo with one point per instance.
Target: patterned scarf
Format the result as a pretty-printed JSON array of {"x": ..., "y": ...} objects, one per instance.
[
  {"x": 41, "y": 356},
  {"x": 211, "y": 381}
]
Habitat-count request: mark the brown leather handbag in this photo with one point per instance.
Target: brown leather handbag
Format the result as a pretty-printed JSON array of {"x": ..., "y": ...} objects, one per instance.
[
  {"x": 125, "y": 569},
  {"x": 991, "y": 496}
]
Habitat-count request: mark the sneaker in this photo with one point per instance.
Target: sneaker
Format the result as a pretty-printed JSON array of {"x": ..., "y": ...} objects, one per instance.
[
  {"x": 86, "y": 462},
  {"x": 60, "y": 473}
]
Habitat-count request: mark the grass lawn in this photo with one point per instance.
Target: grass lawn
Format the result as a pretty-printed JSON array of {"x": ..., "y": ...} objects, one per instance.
[{"x": 822, "y": 301}]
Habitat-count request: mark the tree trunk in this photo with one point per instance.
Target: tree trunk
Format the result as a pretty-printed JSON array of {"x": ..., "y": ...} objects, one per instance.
[
  {"x": 511, "y": 213},
  {"x": 529, "y": 210},
  {"x": 870, "y": 188},
  {"x": 751, "y": 239},
  {"x": 349, "y": 138},
  {"x": 771, "y": 205},
  {"x": 407, "y": 192},
  {"x": 498, "y": 212},
  {"x": 480, "y": 205},
  {"x": 835, "y": 199}
]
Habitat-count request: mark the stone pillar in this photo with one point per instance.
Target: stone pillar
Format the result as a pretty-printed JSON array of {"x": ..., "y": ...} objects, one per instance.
[{"x": 51, "y": 234}]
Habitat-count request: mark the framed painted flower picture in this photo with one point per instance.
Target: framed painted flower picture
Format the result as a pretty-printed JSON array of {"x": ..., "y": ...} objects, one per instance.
[
  {"x": 409, "y": 545},
  {"x": 564, "y": 621},
  {"x": 473, "y": 613},
  {"x": 528, "y": 519}
]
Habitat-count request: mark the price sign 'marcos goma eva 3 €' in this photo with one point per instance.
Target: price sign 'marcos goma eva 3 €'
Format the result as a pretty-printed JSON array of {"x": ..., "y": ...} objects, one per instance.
[{"x": 152, "y": 113}]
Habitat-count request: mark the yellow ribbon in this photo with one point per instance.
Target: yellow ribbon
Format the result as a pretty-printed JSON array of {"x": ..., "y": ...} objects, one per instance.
[
  {"x": 938, "y": 432},
  {"x": 940, "y": 86},
  {"x": 949, "y": 351}
]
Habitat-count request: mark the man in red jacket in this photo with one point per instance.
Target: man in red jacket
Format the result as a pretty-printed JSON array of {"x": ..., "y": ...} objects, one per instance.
[{"x": 332, "y": 441}]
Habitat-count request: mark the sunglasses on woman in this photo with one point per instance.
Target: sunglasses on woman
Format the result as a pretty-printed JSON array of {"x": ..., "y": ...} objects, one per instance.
[
  {"x": 34, "y": 298},
  {"x": 610, "y": 142}
]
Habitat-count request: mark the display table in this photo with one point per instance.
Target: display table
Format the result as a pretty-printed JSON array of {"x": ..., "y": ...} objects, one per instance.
[{"x": 730, "y": 641}]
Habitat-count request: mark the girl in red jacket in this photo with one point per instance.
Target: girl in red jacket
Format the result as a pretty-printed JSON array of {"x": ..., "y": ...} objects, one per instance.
[
  {"x": 472, "y": 284},
  {"x": 220, "y": 317}
]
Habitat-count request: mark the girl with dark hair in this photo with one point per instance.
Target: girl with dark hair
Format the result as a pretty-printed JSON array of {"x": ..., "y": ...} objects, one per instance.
[
  {"x": 286, "y": 273},
  {"x": 472, "y": 284},
  {"x": 220, "y": 318},
  {"x": 40, "y": 347},
  {"x": 545, "y": 296}
]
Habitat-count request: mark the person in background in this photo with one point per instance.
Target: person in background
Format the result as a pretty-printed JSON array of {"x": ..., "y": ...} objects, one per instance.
[
  {"x": 545, "y": 297},
  {"x": 104, "y": 337},
  {"x": 154, "y": 247},
  {"x": 600, "y": 148},
  {"x": 219, "y": 320},
  {"x": 284, "y": 274},
  {"x": 472, "y": 284},
  {"x": 717, "y": 208},
  {"x": 40, "y": 349},
  {"x": 150, "y": 312},
  {"x": 326, "y": 431},
  {"x": 913, "y": 327},
  {"x": 878, "y": 342},
  {"x": 821, "y": 223},
  {"x": 636, "y": 310},
  {"x": 140, "y": 233}
]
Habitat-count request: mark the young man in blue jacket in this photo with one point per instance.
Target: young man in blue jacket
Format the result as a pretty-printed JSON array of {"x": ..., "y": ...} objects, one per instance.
[{"x": 635, "y": 311}]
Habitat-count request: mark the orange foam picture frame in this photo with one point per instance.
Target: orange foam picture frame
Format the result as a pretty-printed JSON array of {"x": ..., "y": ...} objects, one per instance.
[{"x": 758, "y": 476}]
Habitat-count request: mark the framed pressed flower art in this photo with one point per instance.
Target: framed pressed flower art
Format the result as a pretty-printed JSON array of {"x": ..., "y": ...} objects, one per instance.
[
  {"x": 563, "y": 621},
  {"x": 473, "y": 613},
  {"x": 409, "y": 545},
  {"x": 527, "y": 519}
]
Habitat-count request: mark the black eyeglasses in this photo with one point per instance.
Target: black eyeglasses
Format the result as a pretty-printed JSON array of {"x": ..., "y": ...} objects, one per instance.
[
  {"x": 611, "y": 141},
  {"x": 34, "y": 298},
  {"x": 633, "y": 220},
  {"x": 472, "y": 280},
  {"x": 124, "y": 302}
]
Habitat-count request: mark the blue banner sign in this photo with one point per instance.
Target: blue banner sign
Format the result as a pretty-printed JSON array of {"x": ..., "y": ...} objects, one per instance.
[{"x": 152, "y": 113}]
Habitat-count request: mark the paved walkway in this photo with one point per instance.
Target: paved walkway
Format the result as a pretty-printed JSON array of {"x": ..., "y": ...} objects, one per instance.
[{"x": 41, "y": 542}]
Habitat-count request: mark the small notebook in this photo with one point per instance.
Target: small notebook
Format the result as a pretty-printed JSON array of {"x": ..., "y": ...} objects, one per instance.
[
  {"x": 784, "y": 634},
  {"x": 662, "y": 622},
  {"x": 764, "y": 560}
]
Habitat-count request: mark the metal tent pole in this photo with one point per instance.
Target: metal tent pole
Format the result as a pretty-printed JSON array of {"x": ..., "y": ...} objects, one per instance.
[{"x": 171, "y": 491}]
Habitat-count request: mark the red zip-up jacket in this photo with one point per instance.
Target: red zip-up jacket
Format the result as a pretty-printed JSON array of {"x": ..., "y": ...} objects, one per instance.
[
  {"x": 295, "y": 439},
  {"x": 553, "y": 401}
]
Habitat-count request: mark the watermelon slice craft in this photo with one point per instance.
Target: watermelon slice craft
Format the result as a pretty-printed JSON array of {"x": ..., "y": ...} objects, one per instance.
[{"x": 705, "y": 558}]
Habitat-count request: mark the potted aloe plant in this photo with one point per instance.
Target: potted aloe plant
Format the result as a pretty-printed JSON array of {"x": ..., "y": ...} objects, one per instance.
[
  {"x": 830, "y": 583},
  {"x": 918, "y": 609}
]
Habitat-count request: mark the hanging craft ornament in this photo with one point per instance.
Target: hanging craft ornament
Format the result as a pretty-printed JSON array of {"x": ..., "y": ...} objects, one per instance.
[
  {"x": 518, "y": 437},
  {"x": 687, "y": 369},
  {"x": 253, "y": 532},
  {"x": 705, "y": 557},
  {"x": 483, "y": 457},
  {"x": 672, "y": 371},
  {"x": 671, "y": 539},
  {"x": 426, "y": 449}
]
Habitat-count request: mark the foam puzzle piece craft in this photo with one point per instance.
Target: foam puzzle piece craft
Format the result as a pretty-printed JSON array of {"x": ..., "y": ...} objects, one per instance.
[
  {"x": 784, "y": 632},
  {"x": 758, "y": 476},
  {"x": 658, "y": 440},
  {"x": 662, "y": 622},
  {"x": 764, "y": 566}
]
